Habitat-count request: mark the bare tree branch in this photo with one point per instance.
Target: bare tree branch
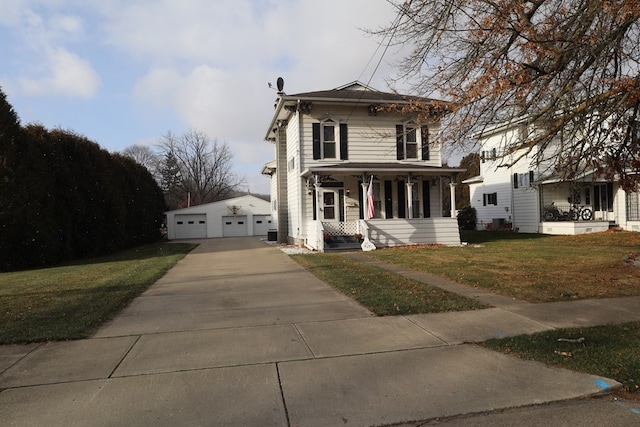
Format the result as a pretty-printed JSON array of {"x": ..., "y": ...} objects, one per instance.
[
  {"x": 199, "y": 167},
  {"x": 570, "y": 67}
]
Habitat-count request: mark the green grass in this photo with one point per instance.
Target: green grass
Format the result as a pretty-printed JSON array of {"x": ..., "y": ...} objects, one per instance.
[
  {"x": 531, "y": 267},
  {"x": 610, "y": 351},
  {"x": 71, "y": 301},
  {"x": 382, "y": 292}
]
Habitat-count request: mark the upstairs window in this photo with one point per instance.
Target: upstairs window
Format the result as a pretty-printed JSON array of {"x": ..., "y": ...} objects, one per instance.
[
  {"x": 330, "y": 138},
  {"x": 407, "y": 142}
]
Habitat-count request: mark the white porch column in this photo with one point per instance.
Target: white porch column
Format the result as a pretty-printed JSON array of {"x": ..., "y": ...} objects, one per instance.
[
  {"x": 365, "y": 199},
  {"x": 409, "y": 198},
  {"x": 319, "y": 231},
  {"x": 454, "y": 211}
]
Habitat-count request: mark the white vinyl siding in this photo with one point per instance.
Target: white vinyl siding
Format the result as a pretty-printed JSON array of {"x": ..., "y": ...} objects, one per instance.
[{"x": 371, "y": 138}]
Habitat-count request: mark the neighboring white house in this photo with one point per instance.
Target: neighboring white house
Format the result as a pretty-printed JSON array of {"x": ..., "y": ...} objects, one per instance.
[
  {"x": 331, "y": 145},
  {"x": 528, "y": 198},
  {"x": 240, "y": 216}
]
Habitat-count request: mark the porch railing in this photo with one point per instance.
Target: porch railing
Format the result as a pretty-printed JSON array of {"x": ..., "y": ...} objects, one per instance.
[
  {"x": 566, "y": 212},
  {"x": 343, "y": 228}
]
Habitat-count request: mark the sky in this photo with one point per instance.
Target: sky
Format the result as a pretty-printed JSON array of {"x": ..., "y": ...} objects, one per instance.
[{"x": 125, "y": 72}]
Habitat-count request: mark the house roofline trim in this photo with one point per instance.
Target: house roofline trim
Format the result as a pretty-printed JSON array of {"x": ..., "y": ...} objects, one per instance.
[
  {"x": 378, "y": 169},
  {"x": 474, "y": 180}
]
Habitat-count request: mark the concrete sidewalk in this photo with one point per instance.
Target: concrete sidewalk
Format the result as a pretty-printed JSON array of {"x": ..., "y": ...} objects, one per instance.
[{"x": 237, "y": 333}]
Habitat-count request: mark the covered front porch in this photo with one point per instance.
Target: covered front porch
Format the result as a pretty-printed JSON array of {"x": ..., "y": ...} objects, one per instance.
[
  {"x": 391, "y": 205},
  {"x": 577, "y": 207}
]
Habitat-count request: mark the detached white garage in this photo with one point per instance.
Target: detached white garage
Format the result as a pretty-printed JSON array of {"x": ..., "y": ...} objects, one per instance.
[{"x": 240, "y": 216}]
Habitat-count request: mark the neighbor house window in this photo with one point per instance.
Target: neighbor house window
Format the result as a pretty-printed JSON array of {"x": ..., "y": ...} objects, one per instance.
[{"x": 489, "y": 199}]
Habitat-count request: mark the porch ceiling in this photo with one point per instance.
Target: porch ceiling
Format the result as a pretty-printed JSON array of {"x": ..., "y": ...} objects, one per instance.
[{"x": 379, "y": 169}]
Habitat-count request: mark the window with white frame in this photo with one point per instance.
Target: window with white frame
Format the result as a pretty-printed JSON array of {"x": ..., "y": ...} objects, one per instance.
[
  {"x": 330, "y": 140},
  {"x": 523, "y": 180},
  {"x": 490, "y": 199},
  {"x": 415, "y": 201},
  {"x": 407, "y": 141}
]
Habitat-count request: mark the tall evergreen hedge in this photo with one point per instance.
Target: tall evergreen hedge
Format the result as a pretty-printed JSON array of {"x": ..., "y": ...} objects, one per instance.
[{"x": 62, "y": 197}]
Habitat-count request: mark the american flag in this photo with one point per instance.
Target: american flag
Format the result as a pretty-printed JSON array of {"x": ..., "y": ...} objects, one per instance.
[{"x": 370, "y": 199}]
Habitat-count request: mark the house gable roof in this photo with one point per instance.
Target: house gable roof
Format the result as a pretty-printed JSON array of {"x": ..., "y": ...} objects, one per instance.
[
  {"x": 248, "y": 199},
  {"x": 357, "y": 91},
  {"x": 351, "y": 93}
]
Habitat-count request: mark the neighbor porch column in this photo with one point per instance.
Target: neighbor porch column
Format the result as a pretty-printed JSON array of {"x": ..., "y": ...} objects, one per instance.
[{"x": 454, "y": 212}]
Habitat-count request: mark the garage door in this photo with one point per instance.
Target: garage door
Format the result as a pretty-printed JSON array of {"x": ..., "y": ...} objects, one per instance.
[
  {"x": 261, "y": 224},
  {"x": 192, "y": 226},
  {"x": 233, "y": 226}
]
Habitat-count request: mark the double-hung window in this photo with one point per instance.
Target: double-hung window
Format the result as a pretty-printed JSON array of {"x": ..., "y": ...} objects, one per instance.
[
  {"x": 407, "y": 142},
  {"x": 330, "y": 140}
]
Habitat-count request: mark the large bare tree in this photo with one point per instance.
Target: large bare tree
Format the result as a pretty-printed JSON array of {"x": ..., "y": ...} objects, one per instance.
[
  {"x": 146, "y": 156},
  {"x": 571, "y": 67},
  {"x": 197, "y": 168}
]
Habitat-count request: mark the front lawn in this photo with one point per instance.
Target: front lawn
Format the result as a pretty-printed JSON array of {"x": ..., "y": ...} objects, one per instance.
[
  {"x": 381, "y": 291},
  {"x": 609, "y": 351},
  {"x": 73, "y": 300},
  {"x": 531, "y": 267}
]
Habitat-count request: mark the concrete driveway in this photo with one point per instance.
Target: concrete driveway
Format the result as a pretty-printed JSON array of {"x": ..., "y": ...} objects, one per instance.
[{"x": 237, "y": 333}]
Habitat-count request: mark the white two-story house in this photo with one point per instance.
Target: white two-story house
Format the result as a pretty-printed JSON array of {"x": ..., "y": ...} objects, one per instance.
[
  {"x": 339, "y": 152},
  {"x": 513, "y": 192}
]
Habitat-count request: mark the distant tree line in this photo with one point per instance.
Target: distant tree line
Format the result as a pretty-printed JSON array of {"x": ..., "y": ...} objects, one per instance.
[{"x": 62, "y": 197}]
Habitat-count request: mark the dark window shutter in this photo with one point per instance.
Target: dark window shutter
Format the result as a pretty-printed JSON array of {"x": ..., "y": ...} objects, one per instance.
[
  {"x": 402, "y": 200},
  {"x": 484, "y": 199},
  {"x": 530, "y": 178},
  {"x": 424, "y": 136},
  {"x": 316, "y": 141},
  {"x": 344, "y": 141},
  {"x": 399, "y": 142},
  {"x": 388, "y": 199},
  {"x": 515, "y": 180},
  {"x": 426, "y": 199}
]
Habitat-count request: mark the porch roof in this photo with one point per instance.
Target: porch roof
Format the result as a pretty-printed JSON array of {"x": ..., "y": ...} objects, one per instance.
[
  {"x": 586, "y": 176},
  {"x": 378, "y": 169},
  {"x": 474, "y": 180}
]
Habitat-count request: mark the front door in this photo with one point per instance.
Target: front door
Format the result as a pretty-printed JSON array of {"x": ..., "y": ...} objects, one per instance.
[
  {"x": 602, "y": 200},
  {"x": 333, "y": 205}
]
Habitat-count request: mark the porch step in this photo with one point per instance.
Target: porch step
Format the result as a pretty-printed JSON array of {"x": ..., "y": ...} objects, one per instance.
[
  {"x": 342, "y": 243},
  {"x": 613, "y": 226}
]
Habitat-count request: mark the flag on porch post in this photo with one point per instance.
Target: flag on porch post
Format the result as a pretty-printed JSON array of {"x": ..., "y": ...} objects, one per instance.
[{"x": 370, "y": 206}]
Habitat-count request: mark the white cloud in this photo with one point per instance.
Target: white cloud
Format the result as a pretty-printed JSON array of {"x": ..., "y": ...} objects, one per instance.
[
  {"x": 65, "y": 74},
  {"x": 202, "y": 63}
]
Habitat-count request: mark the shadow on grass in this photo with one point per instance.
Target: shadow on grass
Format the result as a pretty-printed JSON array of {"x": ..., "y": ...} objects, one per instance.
[{"x": 496, "y": 236}]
